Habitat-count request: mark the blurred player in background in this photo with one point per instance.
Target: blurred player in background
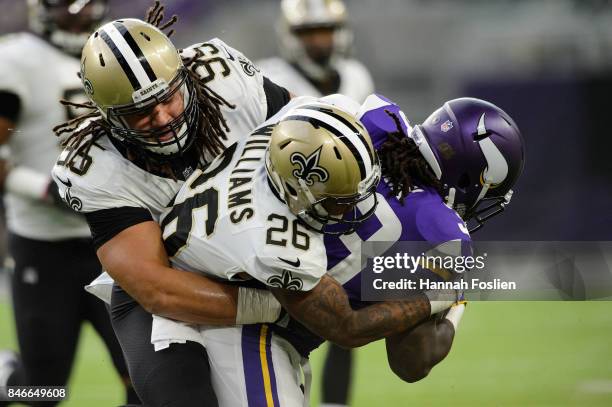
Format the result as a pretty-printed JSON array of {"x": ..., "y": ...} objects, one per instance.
[
  {"x": 51, "y": 246},
  {"x": 315, "y": 42}
]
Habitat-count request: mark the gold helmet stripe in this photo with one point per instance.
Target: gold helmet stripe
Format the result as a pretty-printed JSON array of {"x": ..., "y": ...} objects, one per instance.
[
  {"x": 357, "y": 146},
  {"x": 128, "y": 60}
]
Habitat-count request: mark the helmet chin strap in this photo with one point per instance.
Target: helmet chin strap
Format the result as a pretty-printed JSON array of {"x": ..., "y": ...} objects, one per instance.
[
  {"x": 483, "y": 192},
  {"x": 180, "y": 136},
  {"x": 482, "y": 215},
  {"x": 310, "y": 197},
  {"x": 450, "y": 198},
  {"x": 180, "y": 139}
]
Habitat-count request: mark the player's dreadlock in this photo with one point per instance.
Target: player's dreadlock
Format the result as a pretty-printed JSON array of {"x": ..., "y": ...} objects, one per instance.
[
  {"x": 155, "y": 15},
  {"x": 403, "y": 165},
  {"x": 211, "y": 123}
]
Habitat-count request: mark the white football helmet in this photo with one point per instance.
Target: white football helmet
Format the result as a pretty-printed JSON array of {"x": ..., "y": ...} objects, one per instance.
[
  {"x": 66, "y": 23},
  {"x": 303, "y": 15}
]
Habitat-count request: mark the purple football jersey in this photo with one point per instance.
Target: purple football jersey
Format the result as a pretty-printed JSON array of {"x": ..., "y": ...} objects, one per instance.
[
  {"x": 375, "y": 117},
  {"x": 423, "y": 216}
]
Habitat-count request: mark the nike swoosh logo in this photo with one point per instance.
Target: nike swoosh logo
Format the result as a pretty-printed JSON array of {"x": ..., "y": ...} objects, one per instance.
[
  {"x": 67, "y": 183},
  {"x": 291, "y": 263}
]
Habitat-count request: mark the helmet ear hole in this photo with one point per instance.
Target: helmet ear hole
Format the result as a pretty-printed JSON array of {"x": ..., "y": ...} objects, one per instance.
[
  {"x": 290, "y": 189},
  {"x": 464, "y": 181},
  {"x": 338, "y": 156}
]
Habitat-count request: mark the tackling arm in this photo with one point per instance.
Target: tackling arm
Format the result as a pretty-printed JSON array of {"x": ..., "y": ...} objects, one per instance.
[
  {"x": 137, "y": 260},
  {"x": 325, "y": 310},
  {"x": 412, "y": 354}
]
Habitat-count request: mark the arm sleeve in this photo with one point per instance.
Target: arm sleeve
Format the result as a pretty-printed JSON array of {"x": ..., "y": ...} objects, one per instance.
[
  {"x": 10, "y": 105},
  {"x": 276, "y": 97},
  {"x": 107, "y": 223}
]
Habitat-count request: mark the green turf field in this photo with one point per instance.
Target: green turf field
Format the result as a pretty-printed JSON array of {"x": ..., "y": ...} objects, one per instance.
[{"x": 505, "y": 354}]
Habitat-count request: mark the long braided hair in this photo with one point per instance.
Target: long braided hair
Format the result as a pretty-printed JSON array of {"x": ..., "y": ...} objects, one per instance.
[
  {"x": 403, "y": 166},
  {"x": 84, "y": 131}
]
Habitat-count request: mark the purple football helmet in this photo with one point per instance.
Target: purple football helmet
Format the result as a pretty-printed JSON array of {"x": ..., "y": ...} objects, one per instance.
[{"x": 477, "y": 152}]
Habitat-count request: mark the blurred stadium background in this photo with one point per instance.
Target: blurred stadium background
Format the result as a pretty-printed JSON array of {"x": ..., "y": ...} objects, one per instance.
[{"x": 548, "y": 63}]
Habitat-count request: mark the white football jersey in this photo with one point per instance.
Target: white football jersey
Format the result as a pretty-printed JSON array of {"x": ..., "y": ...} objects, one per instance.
[
  {"x": 355, "y": 80},
  {"x": 40, "y": 75},
  {"x": 227, "y": 222},
  {"x": 112, "y": 181}
]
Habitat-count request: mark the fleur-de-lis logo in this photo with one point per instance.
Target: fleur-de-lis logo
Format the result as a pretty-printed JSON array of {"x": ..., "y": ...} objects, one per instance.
[
  {"x": 286, "y": 281},
  {"x": 309, "y": 167},
  {"x": 247, "y": 66},
  {"x": 75, "y": 203},
  {"x": 86, "y": 82},
  {"x": 72, "y": 201}
]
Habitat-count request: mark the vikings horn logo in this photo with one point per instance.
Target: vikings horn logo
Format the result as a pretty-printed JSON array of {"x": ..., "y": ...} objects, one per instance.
[{"x": 309, "y": 167}]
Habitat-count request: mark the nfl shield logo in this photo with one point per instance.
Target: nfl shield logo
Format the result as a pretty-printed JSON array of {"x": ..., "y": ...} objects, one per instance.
[{"x": 446, "y": 126}]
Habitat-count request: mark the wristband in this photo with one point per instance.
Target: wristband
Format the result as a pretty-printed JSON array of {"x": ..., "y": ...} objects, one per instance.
[
  {"x": 441, "y": 300},
  {"x": 455, "y": 313},
  {"x": 255, "y": 306}
]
